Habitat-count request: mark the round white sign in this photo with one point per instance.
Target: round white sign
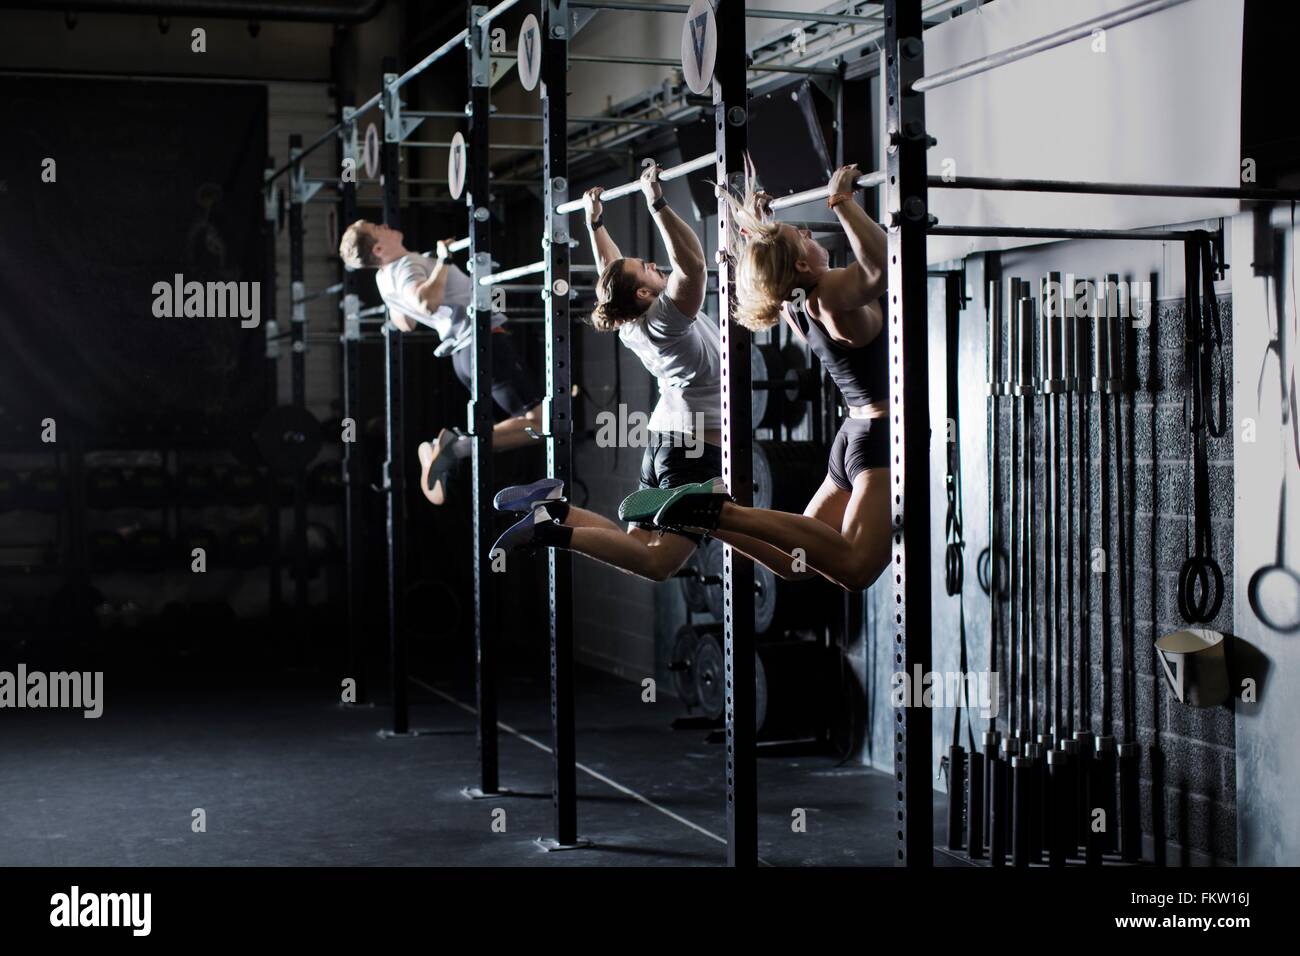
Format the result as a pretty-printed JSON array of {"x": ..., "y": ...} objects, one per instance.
[
  {"x": 370, "y": 154},
  {"x": 456, "y": 166},
  {"x": 699, "y": 45},
  {"x": 529, "y": 52}
]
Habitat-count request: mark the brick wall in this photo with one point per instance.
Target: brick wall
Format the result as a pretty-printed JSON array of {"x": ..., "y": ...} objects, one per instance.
[{"x": 1188, "y": 764}]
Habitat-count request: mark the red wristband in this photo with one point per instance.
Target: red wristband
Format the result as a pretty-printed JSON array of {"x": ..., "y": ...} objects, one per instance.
[{"x": 836, "y": 198}]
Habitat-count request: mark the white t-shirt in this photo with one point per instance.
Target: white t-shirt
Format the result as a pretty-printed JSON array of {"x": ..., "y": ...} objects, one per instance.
[
  {"x": 684, "y": 353},
  {"x": 398, "y": 281}
]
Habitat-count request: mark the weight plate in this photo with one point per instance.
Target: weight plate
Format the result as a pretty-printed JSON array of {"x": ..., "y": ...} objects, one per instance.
[
  {"x": 760, "y": 694},
  {"x": 693, "y": 590},
  {"x": 682, "y": 665},
  {"x": 289, "y": 438},
  {"x": 765, "y": 594},
  {"x": 710, "y": 676},
  {"x": 762, "y": 472},
  {"x": 758, "y": 396},
  {"x": 711, "y": 563}
]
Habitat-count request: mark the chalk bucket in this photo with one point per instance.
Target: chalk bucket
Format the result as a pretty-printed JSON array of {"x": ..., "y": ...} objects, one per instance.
[{"x": 1195, "y": 666}]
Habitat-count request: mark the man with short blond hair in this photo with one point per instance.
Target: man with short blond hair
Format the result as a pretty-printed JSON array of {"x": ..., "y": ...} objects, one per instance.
[{"x": 434, "y": 292}]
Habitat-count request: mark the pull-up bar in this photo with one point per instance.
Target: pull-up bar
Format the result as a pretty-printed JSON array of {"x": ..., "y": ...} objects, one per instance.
[
  {"x": 537, "y": 118},
  {"x": 844, "y": 18},
  {"x": 1052, "y": 40},
  {"x": 865, "y": 181},
  {"x": 627, "y": 189},
  {"x": 496, "y": 11}
]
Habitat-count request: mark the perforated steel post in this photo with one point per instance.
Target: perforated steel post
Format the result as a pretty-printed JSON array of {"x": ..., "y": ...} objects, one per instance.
[
  {"x": 477, "y": 202},
  {"x": 731, "y": 116},
  {"x": 557, "y": 410},
  {"x": 394, "y": 431},
  {"x": 350, "y": 345},
  {"x": 909, "y": 417}
]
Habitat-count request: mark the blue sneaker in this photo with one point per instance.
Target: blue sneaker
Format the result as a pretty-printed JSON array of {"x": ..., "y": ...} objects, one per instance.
[
  {"x": 527, "y": 497},
  {"x": 535, "y": 529}
]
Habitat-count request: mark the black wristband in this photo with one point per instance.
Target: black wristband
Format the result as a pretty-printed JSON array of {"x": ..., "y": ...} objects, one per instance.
[
  {"x": 658, "y": 204},
  {"x": 597, "y": 223}
]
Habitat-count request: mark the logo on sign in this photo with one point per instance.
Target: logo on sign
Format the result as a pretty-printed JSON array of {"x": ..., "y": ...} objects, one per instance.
[
  {"x": 699, "y": 45},
  {"x": 699, "y": 33},
  {"x": 456, "y": 166},
  {"x": 527, "y": 52}
]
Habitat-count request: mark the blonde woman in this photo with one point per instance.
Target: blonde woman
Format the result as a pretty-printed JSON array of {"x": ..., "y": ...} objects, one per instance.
[{"x": 782, "y": 274}]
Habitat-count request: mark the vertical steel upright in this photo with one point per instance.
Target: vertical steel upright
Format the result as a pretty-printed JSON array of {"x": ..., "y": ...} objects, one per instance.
[
  {"x": 731, "y": 115},
  {"x": 909, "y": 415},
  {"x": 350, "y": 346},
  {"x": 478, "y": 202},
  {"x": 270, "y": 225},
  {"x": 394, "y": 432},
  {"x": 298, "y": 373},
  {"x": 557, "y": 412}
]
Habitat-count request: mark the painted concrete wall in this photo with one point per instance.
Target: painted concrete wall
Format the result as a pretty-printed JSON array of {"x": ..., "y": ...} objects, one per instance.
[{"x": 1268, "y": 759}]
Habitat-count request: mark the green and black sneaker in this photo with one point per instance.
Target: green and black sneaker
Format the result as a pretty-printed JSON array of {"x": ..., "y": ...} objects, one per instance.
[
  {"x": 696, "y": 507},
  {"x": 644, "y": 504}
]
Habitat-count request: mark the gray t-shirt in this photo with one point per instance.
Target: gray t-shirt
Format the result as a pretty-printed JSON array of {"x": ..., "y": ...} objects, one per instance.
[
  {"x": 398, "y": 281},
  {"x": 684, "y": 353}
]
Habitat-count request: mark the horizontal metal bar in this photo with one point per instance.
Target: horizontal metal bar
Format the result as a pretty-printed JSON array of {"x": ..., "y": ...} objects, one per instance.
[
  {"x": 433, "y": 57},
  {"x": 1114, "y": 189},
  {"x": 516, "y": 147},
  {"x": 537, "y": 118},
  {"x": 1016, "y": 232},
  {"x": 846, "y": 19},
  {"x": 1052, "y": 40},
  {"x": 627, "y": 189},
  {"x": 332, "y": 290},
  {"x": 371, "y": 103},
  {"x": 865, "y": 181},
  {"x": 443, "y": 182},
  {"x": 670, "y": 62},
  {"x": 459, "y": 244},
  {"x": 815, "y": 225},
  {"x": 529, "y": 270},
  {"x": 759, "y": 14},
  {"x": 496, "y": 11}
]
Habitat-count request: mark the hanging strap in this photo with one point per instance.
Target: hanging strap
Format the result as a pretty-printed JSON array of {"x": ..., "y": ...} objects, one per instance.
[{"x": 954, "y": 560}]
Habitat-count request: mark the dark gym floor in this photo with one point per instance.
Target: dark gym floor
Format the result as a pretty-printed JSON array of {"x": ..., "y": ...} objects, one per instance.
[{"x": 286, "y": 778}]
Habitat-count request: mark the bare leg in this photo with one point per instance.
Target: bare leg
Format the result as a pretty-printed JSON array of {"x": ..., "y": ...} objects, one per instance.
[
  {"x": 775, "y": 560},
  {"x": 779, "y": 562},
  {"x": 513, "y": 432},
  {"x": 638, "y": 551},
  {"x": 852, "y": 557}
]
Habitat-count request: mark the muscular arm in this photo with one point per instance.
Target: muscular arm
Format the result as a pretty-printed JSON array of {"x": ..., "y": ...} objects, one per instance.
[
  {"x": 424, "y": 298},
  {"x": 864, "y": 281},
  {"x": 687, "y": 283},
  {"x": 602, "y": 246}
]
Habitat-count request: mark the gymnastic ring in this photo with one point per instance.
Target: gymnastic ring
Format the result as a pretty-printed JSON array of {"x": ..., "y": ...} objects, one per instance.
[
  {"x": 982, "y": 568},
  {"x": 1200, "y": 575}
]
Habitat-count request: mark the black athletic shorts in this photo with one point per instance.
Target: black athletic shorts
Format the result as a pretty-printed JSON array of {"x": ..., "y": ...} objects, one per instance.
[
  {"x": 668, "y": 464},
  {"x": 861, "y": 443},
  {"x": 515, "y": 388}
]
